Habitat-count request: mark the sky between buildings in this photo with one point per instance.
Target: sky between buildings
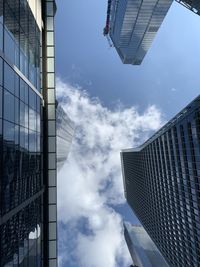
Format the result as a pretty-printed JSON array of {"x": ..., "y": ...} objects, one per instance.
[{"x": 114, "y": 106}]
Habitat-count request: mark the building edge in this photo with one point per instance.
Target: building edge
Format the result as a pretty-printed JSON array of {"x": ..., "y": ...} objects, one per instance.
[{"x": 49, "y": 146}]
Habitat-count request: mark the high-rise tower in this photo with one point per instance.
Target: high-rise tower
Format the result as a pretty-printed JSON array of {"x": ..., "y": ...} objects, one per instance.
[
  {"x": 132, "y": 26},
  {"x": 162, "y": 185},
  {"x": 28, "y": 213}
]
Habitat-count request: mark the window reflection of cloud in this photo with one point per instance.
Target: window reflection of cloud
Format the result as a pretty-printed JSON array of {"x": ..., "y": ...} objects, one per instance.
[{"x": 32, "y": 119}]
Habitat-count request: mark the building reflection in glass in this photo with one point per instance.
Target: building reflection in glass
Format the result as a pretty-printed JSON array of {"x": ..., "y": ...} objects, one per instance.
[
  {"x": 21, "y": 180},
  {"x": 64, "y": 132}
]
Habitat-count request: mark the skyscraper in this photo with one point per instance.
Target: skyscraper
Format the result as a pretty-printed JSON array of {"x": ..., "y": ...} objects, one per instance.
[
  {"x": 132, "y": 26},
  {"x": 28, "y": 217},
  {"x": 143, "y": 251},
  {"x": 65, "y": 131},
  {"x": 162, "y": 185}
]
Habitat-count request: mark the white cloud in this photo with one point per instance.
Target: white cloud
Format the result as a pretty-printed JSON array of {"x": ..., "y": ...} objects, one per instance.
[
  {"x": 91, "y": 178},
  {"x": 173, "y": 89}
]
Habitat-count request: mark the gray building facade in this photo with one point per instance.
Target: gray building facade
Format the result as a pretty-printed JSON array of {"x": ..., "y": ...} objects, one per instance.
[
  {"x": 132, "y": 26},
  {"x": 162, "y": 186},
  {"x": 28, "y": 219},
  {"x": 65, "y": 132},
  {"x": 142, "y": 249}
]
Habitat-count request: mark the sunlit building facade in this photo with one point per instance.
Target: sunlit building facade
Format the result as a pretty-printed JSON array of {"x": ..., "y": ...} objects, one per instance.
[
  {"x": 142, "y": 249},
  {"x": 28, "y": 219},
  {"x": 133, "y": 25},
  {"x": 162, "y": 185}
]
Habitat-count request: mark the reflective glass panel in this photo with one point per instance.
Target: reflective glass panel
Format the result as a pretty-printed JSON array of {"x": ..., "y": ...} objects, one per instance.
[
  {"x": 0, "y": 102},
  {"x": 1, "y": 70},
  {"x": 8, "y": 131},
  {"x": 16, "y": 85},
  {"x": 16, "y": 110},
  {"x": 8, "y": 106},
  {"x": 9, "y": 78}
]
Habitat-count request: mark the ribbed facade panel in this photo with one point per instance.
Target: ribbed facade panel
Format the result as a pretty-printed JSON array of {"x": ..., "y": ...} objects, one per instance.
[{"x": 162, "y": 184}]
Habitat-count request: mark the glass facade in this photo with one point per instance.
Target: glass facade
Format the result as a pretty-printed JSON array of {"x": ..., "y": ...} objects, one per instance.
[
  {"x": 24, "y": 188},
  {"x": 143, "y": 251},
  {"x": 133, "y": 26},
  {"x": 65, "y": 131},
  {"x": 20, "y": 42},
  {"x": 162, "y": 186}
]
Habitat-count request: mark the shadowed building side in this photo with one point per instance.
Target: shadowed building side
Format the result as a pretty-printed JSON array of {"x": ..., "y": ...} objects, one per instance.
[{"x": 162, "y": 185}]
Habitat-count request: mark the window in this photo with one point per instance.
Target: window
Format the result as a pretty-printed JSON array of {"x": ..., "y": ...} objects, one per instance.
[
  {"x": 9, "y": 78},
  {"x": 0, "y": 102},
  {"x": 8, "y": 106},
  {"x": 8, "y": 131}
]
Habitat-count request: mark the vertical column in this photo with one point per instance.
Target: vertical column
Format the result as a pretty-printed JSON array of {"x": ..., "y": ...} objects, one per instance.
[{"x": 50, "y": 199}]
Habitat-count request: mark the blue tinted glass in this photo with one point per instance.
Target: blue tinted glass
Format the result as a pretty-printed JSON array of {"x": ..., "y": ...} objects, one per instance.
[
  {"x": 8, "y": 131},
  {"x": 9, "y": 78},
  {"x": 16, "y": 110},
  {"x": 26, "y": 139},
  {"x": 8, "y": 106},
  {"x": 1, "y": 11},
  {"x": 32, "y": 140},
  {"x": 38, "y": 123},
  {"x": 38, "y": 104},
  {"x": 9, "y": 29},
  {"x": 32, "y": 119},
  {"x": 26, "y": 116},
  {"x": 22, "y": 90},
  {"x": 26, "y": 93},
  {"x": 1, "y": 127},
  {"x": 16, "y": 85},
  {"x": 38, "y": 142},
  {"x": 9, "y": 46},
  {"x": 22, "y": 61},
  {"x": 17, "y": 55},
  {"x": 22, "y": 113},
  {"x": 32, "y": 98},
  {"x": 0, "y": 102},
  {"x": 16, "y": 134},
  {"x": 1, "y": 70},
  {"x": 1, "y": 35},
  {"x": 22, "y": 137}
]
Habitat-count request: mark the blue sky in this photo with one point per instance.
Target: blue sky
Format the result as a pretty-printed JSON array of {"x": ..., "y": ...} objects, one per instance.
[{"x": 114, "y": 106}]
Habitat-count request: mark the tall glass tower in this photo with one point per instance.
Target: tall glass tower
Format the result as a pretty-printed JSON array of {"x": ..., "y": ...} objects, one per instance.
[
  {"x": 132, "y": 26},
  {"x": 162, "y": 185},
  {"x": 28, "y": 220}
]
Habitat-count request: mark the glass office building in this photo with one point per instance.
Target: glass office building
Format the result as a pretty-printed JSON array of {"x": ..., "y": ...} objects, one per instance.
[
  {"x": 28, "y": 235},
  {"x": 65, "y": 132},
  {"x": 162, "y": 186},
  {"x": 143, "y": 251},
  {"x": 133, "y": 24}
]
